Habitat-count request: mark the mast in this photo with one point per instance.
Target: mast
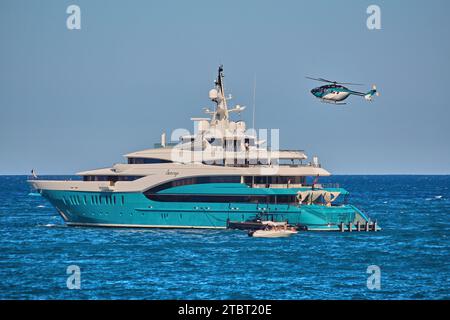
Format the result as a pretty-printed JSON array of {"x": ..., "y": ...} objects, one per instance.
[
  {"x": 218, "y": 96},
  {"x": 254, "y": 102},
  {"x": 221, "y": 113},
  {"x": 219, "y": 83}
]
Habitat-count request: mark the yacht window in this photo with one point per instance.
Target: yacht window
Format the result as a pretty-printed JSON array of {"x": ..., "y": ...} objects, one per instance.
[
  {"x": 249, "y": 142},
  {"x": 276, "y": 199},
  {"x": 232, "y": 145},
  {"x": 275, "y": 180},
  {"x": 216, "y": 142},
  {"x": 195, "y": 180},
  {"x": 147, "y": 160},
  {"x": 110, "y": 178}
]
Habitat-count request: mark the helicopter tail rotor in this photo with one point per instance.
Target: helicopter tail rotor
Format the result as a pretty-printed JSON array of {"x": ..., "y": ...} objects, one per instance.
[
  {"x": 368, "y": 96},
  {"x": 377, "y": 93}
]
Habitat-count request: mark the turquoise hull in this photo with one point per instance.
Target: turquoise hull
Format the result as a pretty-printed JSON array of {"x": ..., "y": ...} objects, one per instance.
[{"x": 116, "y": 209}]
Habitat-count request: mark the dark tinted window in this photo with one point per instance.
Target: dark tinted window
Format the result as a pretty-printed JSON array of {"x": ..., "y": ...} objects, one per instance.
[
  {"x": 195, "y": 180},
  {"x": 146, "y": 160},
  {"x": 111, "y": 178},
  {"x": 274, "y": 180},
  {"x": 282, "y": 199}
]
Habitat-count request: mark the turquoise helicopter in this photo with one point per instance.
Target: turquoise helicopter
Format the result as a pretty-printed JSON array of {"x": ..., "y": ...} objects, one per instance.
[{"x": 335, "y": 92}]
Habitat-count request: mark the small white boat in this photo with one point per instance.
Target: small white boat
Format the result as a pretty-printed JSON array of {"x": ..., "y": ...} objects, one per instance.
[
  {"x": 272, "y": 233},
  {"x": 273, "y": 230}
]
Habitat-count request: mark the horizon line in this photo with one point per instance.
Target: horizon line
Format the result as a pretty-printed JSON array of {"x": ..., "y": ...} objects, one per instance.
[{"x": 337, "y": 174}]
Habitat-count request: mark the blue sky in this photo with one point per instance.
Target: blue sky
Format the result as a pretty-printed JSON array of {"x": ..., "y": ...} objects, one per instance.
[{"x": 80, "y": 99}]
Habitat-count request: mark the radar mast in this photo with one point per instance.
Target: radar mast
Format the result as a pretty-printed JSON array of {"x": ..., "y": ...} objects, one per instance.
[{"x": 221, "y": 113}]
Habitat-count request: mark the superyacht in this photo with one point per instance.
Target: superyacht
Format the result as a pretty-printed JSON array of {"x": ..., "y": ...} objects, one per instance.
[{"x": 221, "y": 173}]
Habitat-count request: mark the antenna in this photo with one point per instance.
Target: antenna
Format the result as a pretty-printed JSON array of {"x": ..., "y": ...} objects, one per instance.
[{"x": 254, "y": 101}]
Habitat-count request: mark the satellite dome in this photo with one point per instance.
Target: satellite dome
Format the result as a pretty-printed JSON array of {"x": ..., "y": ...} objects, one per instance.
[{"x": 213, "y": 94}]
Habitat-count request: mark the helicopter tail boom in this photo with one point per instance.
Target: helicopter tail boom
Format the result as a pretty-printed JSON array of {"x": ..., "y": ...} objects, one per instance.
[{"x": 368, "y": 95}]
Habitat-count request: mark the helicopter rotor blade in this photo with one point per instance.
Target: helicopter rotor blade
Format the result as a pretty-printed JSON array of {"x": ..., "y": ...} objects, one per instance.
[
  {"x": 335, "y": 82},
  {"x": 351, "y": 84},
  {"x": 320, "y": 79},
  {"x": 325, "y": 80}
]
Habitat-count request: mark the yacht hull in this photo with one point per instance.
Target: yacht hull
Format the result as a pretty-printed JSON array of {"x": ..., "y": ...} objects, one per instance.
[{"x": 132, "y": 209}]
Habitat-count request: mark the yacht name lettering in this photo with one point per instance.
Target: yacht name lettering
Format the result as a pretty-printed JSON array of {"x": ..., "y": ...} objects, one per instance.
[{"x": 172, "y": 173}]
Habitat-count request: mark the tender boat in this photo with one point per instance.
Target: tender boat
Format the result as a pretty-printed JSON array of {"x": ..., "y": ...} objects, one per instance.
[
  {"x": 273, "y": 230},
  {"x": 272, "y": 233}
]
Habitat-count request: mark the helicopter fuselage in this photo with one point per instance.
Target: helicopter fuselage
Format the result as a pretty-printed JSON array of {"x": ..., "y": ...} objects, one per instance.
[
  {"x": 331, "y": 93},
  {"x": 334, "y": 92}
]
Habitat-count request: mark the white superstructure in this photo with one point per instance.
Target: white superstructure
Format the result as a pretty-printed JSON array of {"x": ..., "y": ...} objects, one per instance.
[{"x": 218, "y": 147}]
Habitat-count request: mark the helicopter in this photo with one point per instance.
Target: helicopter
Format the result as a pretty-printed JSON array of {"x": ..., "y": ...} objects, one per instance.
[{"x": 335, "y": 92}]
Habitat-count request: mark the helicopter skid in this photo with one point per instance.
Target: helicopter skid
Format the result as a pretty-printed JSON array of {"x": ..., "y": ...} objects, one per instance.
[{"x": 333, "y": 102}]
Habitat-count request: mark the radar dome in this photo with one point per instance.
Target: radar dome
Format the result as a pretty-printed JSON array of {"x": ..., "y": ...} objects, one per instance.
[{"x": 213, "y": 94}]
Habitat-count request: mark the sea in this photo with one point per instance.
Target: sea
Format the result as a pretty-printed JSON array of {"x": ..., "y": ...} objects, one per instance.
[{"x": 42, "y": 258}]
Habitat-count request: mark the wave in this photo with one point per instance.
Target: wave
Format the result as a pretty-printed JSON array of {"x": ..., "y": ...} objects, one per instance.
[{"x": 434, "y": 198}]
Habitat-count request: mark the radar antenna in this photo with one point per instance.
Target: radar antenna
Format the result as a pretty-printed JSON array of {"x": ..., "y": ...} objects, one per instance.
[
  {"x": 221, "y": 113},
  {"x": 218, "y": 96}
]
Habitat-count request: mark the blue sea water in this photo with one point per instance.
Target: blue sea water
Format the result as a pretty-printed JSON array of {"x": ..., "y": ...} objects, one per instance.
[{"x": 412, "y": 252}]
